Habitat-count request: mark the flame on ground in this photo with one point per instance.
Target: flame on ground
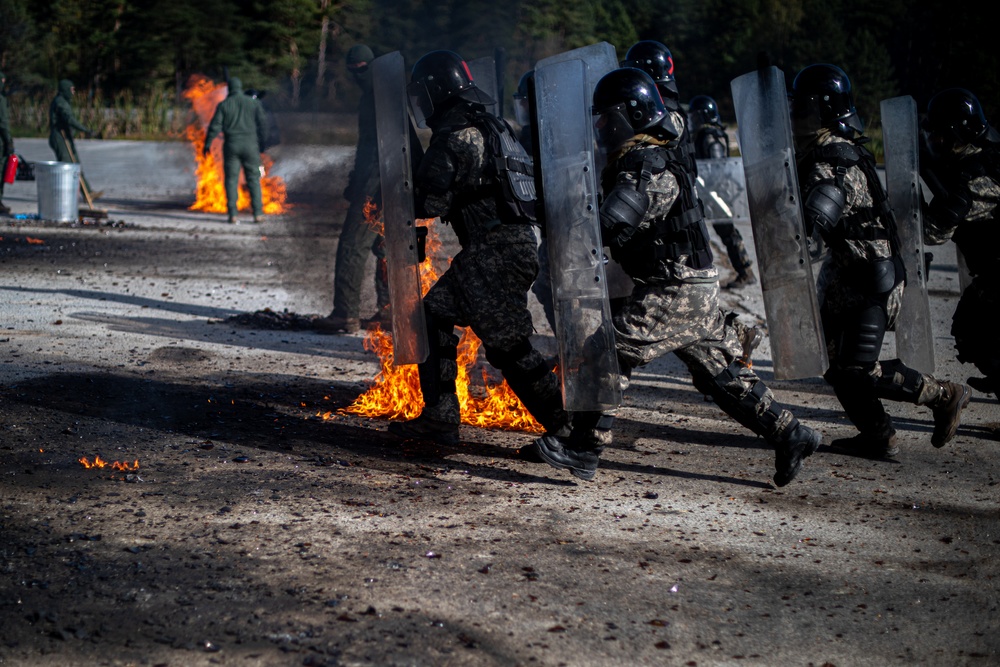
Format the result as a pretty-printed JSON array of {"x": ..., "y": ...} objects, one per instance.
[
  {"x": 98, "y": 462},
  {"x": 210, "y": 193},
  {"x": 395, "y": 391}
]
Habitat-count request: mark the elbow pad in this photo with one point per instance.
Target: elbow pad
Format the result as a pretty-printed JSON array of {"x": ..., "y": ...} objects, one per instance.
[
  {"x": 949, "y": 209},
  {"x": 621, "y": 212},
  {"x": 823, "y": 208}
]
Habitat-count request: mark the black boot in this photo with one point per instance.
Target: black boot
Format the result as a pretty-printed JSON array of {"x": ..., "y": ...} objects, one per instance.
[
  {"x": 867, "y": 445},
  {"x": 796, "y": 442},
  {"x": 557, "y": 451}
]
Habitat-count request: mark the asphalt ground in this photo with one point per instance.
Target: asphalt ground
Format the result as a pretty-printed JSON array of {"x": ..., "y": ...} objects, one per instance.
[{"x": 257, "y": 532}]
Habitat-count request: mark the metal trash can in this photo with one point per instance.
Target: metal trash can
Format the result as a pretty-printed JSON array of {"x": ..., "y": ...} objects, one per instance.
[{"x": 58, "y": 185}]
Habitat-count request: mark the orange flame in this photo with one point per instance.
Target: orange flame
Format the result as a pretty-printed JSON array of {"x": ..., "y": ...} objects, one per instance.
[
  {"x": 210, "y": 193},
  {"x": 395, "y": 391},
  {"x": 98, "y": 462}
]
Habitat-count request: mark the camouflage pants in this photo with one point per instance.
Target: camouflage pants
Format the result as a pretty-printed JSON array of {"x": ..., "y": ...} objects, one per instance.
[
  {"x": 486, "y": 288},
  {"x": 681, "y": 314}
]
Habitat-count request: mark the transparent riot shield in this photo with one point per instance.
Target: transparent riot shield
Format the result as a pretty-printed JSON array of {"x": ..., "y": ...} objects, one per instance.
[
  {"x": 484, "y": 75},
  {"x": 914, "y": 339},
  {"x": 723, "y": 189},
  {"x": 392, "y": 120},
  {"x": 588, "y": 364},
  {"x": 786, "y": 277}
]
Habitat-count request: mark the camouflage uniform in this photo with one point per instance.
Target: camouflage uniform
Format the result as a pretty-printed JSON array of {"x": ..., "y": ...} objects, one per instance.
[
  {"x": 860, "y": 289},
  {"x": 6, "y": 141},
  {"x": 711, "y": 143},
  {"x": 674, "y": 307},
  {"x": 965, "y": 207},
  {"x": 487, "y": 284}
]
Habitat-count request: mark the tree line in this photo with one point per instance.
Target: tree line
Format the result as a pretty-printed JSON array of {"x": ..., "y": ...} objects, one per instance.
[{"x": 295, "y": 49}]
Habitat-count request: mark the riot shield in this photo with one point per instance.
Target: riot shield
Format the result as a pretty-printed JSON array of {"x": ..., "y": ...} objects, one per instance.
[
  {"x": 723, "y": 189},
  {"x": 588, "y": 364},
  {"x": 914, "y": 339},
  {"x": 786, "y": 277},
  {"x": 484, "y": 75},
  {"x": 392, "y": 120},
  {"x": 601, "y": 59}
]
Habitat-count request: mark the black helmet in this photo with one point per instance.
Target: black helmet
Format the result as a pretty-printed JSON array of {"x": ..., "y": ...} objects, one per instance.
[
  {"x": 655, "y": 60},
  {"x": 626, "y": 102},
  {"x": 821, "y": 97},
  {"x": 522, "y": 98},
  {"x": 954, "y": 120},
  {"x": 439, "y": 79},
  {"x": 702, "y": 110}
]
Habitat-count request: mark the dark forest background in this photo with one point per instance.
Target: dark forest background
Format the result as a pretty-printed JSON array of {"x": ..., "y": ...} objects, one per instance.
[{"x": 294, "y": 49}]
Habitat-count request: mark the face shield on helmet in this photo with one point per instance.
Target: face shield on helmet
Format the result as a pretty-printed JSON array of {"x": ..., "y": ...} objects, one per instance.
[
  {"x": 702, "y": 110},
  {"x": 438, "y": 80},
  {"x": 821, "y": 98},
  {"x": 955, "y": 120},
  {"x": 627, "y": 102},
  {"x": 522, "y": 99}
]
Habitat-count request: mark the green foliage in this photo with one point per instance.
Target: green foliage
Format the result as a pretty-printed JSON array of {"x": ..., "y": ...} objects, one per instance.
[{"x": 139, "y": 53}]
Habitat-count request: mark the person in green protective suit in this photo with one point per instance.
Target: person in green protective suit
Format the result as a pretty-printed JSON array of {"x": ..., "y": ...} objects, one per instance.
[
  {"x": 62, "y": 125},
  {"x": 6, "y": 141},
  {"x": 243, "y": 123}
]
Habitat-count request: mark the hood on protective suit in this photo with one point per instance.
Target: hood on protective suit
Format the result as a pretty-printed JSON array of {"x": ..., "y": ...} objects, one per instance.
[
  {"x": 66, "y": 89},
  {"x": 235, "y": 86}
]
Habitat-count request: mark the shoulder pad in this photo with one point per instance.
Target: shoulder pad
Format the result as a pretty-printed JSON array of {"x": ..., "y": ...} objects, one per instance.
[
  {"x": 840, "y": 153},
  {"x": 654, "y": 155}
]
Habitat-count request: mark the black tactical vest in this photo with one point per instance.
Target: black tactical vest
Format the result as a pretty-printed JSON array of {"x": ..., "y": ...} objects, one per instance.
[{"x": 682, "y": 232}]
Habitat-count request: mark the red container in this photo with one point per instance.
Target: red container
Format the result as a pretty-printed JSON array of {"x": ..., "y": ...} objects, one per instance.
[{"x": 10, "y": 169}]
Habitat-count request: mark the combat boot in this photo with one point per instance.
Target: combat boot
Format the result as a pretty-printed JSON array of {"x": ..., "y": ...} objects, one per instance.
[
  {"x": 436, "y": 423},
  {"x": 796, "y": 442},
  {"x": 557, "y": 452},
  {"x": 868, "y": 446},
  {"x": 337, "y": 324},
  {"x": 948, "y": 411},
  {"x": 743, "y": 278},
  {"x": 428, "y": 428}
]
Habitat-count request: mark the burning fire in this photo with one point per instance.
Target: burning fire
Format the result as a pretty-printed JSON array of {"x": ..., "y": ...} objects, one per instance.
[
  {"x": 205, "y": 95},
  {"x": 98, "y": 462},
  {"x": 395, "y": 392}
]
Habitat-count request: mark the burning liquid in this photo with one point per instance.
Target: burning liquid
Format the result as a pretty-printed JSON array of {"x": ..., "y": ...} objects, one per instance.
[
  {"x": 210, "y": 194},
  {"x": 98, "y": 462},
  {"x": 395, "y": 392}
]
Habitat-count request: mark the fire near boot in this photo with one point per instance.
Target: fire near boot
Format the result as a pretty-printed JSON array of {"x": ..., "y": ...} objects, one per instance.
[
  {"x": 948, "y": 411},
  {"x": 438, "y": 423}
]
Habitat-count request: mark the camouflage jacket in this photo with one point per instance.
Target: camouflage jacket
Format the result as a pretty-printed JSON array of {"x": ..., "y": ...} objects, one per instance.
[
  {"x": 864, "y": 232},
  {"x": 966, "y": 206}
]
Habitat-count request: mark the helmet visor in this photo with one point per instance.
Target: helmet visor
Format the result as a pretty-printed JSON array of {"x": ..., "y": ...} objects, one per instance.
[
  {"x": 522, "y": 110},
  {"x": 613, "y": 127},
  {"x": 421, "y": 104}
]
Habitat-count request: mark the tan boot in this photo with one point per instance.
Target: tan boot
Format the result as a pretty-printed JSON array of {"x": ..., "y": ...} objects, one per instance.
[{"x": 948, "y": 411}]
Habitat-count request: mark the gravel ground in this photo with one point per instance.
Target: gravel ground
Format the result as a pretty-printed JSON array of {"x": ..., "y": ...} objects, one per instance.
[{"x": 255, "y": 532}]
